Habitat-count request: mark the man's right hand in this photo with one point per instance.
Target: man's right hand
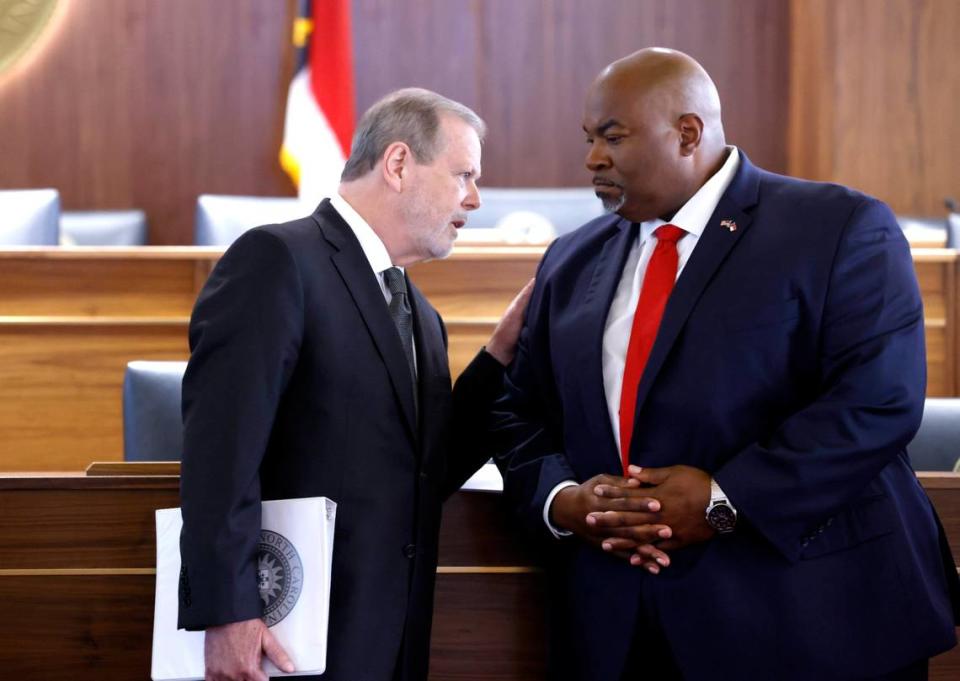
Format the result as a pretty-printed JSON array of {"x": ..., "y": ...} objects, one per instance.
[
  {"x": 233, "y": 652},
  {"x": 572, "y": 508}
]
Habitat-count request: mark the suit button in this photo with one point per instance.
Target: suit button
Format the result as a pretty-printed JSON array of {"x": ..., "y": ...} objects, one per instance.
[
  {"x": 423, "y": 476},
  {"x": 410, "y": 550}
]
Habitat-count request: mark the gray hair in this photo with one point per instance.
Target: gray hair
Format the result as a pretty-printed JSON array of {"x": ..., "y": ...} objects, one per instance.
[{"x": 412, "y": 116}]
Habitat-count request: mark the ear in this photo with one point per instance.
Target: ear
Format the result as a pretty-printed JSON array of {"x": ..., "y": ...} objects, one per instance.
[
  {"x": 396, "y": 159},
  {"x": 690, "y": 126}
]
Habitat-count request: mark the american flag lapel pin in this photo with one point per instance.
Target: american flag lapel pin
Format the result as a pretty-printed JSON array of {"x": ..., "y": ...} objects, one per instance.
[{"x": 729, "y": 224}]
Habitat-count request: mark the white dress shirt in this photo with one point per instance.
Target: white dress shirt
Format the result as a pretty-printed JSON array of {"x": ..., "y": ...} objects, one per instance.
[
  {"x": 692, "y": 218},
  {"x": 372, "y": 246}
]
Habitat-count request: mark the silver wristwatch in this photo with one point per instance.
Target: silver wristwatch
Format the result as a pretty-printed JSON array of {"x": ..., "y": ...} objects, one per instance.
[{"x": 721, "y": 515}]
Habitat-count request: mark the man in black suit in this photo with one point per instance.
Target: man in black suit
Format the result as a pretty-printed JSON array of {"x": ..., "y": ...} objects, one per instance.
[{"x": 318, "y": 369}]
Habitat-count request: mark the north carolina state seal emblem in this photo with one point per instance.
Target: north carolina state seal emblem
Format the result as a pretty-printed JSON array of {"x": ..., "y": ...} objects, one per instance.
[
  {"x": 21, "y": 23},
  {"x": 279, "y": 576}
]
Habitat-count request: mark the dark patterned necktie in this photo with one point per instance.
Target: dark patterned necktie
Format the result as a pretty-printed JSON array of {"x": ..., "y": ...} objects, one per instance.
[{"x": 402, "y": 315}]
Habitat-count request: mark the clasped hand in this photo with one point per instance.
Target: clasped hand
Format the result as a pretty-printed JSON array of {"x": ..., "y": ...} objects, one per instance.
[{"x": 640, "y": 517}]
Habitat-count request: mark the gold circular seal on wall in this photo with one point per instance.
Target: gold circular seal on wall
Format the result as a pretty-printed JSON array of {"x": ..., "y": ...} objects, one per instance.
[{"x": 21, "y": 23}]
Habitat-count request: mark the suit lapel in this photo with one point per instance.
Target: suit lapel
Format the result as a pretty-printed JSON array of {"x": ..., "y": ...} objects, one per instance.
[
  {"x": 354, "y": 269},
  {"x": 593, "y": 315},
  {"x": 714, "y": 246}
]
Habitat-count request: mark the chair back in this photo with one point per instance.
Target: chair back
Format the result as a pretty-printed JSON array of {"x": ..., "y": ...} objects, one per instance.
[
  {"x": 924, "y": 231},
  {"x": 936, "y": 446},
  {"x": 221, "y": 219},
  {"x": 103, "y": 228},
  {"x": 29, "y": 217},
  {"x": 152, "y": 424},
  {"x": 565, "y": 209}
]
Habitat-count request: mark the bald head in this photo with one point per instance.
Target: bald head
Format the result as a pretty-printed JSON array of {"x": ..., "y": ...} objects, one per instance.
[
  {"x": 671, "y": 81},
  {"x": 653, "y": 121}
]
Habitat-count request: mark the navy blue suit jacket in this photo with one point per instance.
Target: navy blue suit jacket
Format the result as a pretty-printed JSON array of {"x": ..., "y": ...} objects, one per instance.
[{"x": 790, "y": 365}]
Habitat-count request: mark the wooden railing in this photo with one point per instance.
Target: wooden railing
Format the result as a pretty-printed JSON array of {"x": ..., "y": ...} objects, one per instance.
[{"x": 71, "y": 318}]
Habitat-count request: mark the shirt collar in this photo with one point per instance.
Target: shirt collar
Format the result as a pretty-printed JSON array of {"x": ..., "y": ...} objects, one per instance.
[
  {"x": 695, "y": 213},
  {"x": 371, "y": 244}
]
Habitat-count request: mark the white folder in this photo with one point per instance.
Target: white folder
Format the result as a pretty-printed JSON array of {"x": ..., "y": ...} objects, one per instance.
[{"x": 294, "y": 564}]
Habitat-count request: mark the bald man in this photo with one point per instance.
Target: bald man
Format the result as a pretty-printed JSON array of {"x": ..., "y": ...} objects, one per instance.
[{"x": 708, "y": 413}]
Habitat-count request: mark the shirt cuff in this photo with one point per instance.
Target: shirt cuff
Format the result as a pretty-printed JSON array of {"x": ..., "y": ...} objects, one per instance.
[
  {"x": 722, "y": 493},
  {"x": 556, "y": 532}
]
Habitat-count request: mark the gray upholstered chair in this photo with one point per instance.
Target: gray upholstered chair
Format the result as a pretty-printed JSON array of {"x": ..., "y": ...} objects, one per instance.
[
  {"x": 923, "y": 229},
  {"x": 152, "y": 425},
  {"x": 221, "y": 219},
  {"x": 103, "y": 228},
  {"x": 936, "y": 446},
  {"x": 564, "y": 208},
  {"x": 29, "y": 217},
  {"x": 953, "y": 227}
]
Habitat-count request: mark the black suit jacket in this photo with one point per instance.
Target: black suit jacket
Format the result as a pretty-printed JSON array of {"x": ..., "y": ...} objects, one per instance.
[{"x": 298, "y": 386}]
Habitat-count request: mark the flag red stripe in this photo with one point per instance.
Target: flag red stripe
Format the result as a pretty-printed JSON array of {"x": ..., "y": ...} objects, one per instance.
[{"x": 331, "y": 67}]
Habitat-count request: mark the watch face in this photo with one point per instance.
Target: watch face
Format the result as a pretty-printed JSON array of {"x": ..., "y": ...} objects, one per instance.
[{"x": 722, "y": 518}]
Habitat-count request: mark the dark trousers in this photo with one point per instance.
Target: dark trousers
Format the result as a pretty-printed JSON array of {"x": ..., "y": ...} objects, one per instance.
[
  {"x": 651, "y": 659},
  {"x": 918, "y": 671},
  {"x": 657, "y": 664}
]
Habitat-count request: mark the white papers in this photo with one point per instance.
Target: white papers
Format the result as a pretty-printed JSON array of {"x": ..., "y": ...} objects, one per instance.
[{"x": 294, "y": 565}]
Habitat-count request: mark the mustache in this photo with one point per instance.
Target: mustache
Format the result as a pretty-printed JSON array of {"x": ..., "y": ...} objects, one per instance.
[{"x": 601, "y": 181}]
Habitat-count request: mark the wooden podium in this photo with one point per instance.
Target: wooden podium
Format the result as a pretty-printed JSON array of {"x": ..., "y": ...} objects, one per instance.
[{"x": 77, "y": 579}]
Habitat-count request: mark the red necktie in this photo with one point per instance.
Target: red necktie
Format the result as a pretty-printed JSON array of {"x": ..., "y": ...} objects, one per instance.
[{"x": 657, "y": 284}]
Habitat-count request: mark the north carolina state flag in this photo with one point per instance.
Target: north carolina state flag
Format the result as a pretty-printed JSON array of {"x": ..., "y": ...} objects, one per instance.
[{"x": 319, "y": 119}]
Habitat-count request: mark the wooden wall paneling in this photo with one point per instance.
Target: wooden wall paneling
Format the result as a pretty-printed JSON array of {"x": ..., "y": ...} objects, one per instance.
[
  {"x": 489, "y": 627},
  {"x": 60, "y": 385},
  {"x": 77, "y": 564},
  {"x": 465, "y": 337},
  {"x": 78, "y": 627},
  {"x": 526, "y": 67},
  {"x": 72, "y": 527},
  {"x": 579, "y": 39},
  {"x": 76, "y": 567},
  {"x": 810, "y": 126},
  {"x": 476, "y": 281},
  {"x": 190, "y": 97},
  {"x": 148, "y": 104},
  {"x": 874, "y": 98}
]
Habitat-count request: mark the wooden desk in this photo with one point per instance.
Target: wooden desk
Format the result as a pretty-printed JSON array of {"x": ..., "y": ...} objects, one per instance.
[
  {"x": 77, "y": 581},
  {"x": 163, "y": 281},
  {"x": 938, "y": 272},
  {"x": 71, "y": 318}
]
